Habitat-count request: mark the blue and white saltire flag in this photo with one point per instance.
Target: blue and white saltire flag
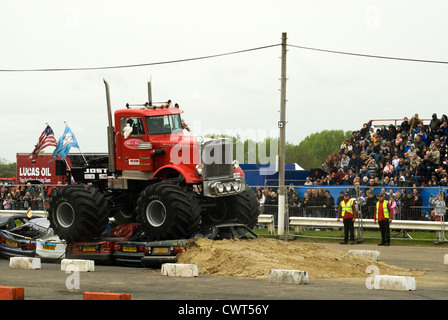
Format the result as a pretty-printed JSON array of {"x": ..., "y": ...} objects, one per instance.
[{"x": 65, "y": 142}]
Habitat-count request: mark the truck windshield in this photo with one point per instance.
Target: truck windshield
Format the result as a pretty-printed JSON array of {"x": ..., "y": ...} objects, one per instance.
[{"x": 164, "y": 124}]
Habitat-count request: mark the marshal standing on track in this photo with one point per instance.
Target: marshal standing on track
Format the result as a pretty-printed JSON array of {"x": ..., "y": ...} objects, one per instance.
[
  {"x": 347, "y": 210},
  {"x": 384, "y": 217}
]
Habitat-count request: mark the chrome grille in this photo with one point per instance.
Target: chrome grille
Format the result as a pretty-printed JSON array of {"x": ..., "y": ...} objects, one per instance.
[{"x": 217, "y": 157}]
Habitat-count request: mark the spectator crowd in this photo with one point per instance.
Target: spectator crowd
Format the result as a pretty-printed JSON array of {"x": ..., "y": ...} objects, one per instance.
[
  {"x": 406, "y": 157},
  {"x": 24, "y": 197},
  {"x": 411, "y": 154}
]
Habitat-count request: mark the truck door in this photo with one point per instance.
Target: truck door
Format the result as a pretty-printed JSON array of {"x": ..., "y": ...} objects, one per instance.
[{"x": 131, "y": 134}]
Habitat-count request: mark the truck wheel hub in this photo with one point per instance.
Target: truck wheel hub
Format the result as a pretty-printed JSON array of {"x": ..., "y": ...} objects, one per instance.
[
  {"x": 65, "y": 215},
  {"x": 156, "y": 213}
]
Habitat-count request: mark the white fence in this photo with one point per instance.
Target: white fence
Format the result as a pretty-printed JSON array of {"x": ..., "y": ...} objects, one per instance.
[
  {"x": 34, "y": 212},
  {"x": 298, "y": 224}
]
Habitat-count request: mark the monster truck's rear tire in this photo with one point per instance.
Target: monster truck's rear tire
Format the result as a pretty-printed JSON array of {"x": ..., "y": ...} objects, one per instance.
[
  {"x": 244, "y": 207},
  {"x": 77, "y": 212},
  {"x": 168, "y": 211}
]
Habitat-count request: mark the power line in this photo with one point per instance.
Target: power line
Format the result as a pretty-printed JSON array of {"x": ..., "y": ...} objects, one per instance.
[
  {"x": 221, "y": 55},
  {"x": 141, "y": 64},
  {"x": 368, "y": 55}
]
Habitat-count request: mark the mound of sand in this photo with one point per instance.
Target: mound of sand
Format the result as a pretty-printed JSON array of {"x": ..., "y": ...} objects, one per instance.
[{"x": 254, "y": 258}]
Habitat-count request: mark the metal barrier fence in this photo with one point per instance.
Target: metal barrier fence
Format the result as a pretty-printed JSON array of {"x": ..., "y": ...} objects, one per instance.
[
  {"x": 416, "y": 213},
  {"x": 322, "y": 201}
]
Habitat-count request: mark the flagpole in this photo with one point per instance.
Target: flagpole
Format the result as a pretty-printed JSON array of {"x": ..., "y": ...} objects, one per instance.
[
  {"x": 85, "y": 160},
  {"x": 66, "y": 164}
]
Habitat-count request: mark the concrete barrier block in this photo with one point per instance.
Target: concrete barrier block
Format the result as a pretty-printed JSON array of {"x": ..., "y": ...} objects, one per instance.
[
  {"x": 179, "y": 270},
  {"x": 24, "y": 263},
  {"x": 77, "y": 265},
  {"x": 369, "y": 254},
  {"x": 445, "y": 259},
  {"x": 384, "y": 282},
  {"x": 288, "y": 276}
]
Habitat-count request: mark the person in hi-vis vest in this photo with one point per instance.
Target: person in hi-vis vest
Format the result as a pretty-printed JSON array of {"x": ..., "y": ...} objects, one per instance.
[
  {"x": 383, "y": 214},
  {"x": 347, "y": 211}
]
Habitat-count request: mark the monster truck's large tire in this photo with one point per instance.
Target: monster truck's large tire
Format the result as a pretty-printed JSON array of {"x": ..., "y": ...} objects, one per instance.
[
  {"x": 77, "y": 212},
  {"x": 168, "y": 211},
  {"x": 214, "y": 211},
  {"x": 244, "y": 207}
]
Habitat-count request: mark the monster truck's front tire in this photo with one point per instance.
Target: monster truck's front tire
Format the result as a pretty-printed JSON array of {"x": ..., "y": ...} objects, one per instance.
[
  {"x": 244, "y": 207},
  {"x": 168, "y": 211},
  {"x": 77, "y": 212}
]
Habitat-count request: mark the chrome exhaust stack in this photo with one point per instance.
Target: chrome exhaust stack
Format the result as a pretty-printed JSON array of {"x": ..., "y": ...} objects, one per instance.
[
  {"x": 149, "y": 93},
  {"x": 110, "y": 132}
]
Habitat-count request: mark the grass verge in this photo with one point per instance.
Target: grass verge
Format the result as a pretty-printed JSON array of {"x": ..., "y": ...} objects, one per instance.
[{"x": 425, "y": 238}]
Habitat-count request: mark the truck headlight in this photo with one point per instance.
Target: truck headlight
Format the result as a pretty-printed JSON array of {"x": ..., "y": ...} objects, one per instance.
[
  {"x": 200, "y": 139},
  {"x": 199, "y": 169},
  {"x": 217, "y": 188},
  {"x": 237, "y": 185},
  {"x": 220, "y": 187}
]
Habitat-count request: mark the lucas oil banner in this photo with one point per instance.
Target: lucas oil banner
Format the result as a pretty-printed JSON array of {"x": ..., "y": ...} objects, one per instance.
[{"x": 40, "y": 170}]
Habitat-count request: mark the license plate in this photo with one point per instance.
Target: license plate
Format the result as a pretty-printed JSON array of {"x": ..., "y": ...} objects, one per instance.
[
  {"x": 160, "y": 250},
  {"x": 12, "y": 243},
  {"x": 48, "y": 246},
  {"x": 129, "y": 249},
  {"x": 89, "y": 249}
]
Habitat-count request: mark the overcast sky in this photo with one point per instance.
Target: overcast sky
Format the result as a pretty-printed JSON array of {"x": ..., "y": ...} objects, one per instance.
[{"x": 235, "y": 93}]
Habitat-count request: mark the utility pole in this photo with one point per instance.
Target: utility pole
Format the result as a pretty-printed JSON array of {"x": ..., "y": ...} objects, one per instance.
[{"x": 282, "y": 127}]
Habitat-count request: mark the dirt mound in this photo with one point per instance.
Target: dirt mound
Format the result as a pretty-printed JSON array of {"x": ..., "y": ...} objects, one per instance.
[{"x": 254, "y": 259}]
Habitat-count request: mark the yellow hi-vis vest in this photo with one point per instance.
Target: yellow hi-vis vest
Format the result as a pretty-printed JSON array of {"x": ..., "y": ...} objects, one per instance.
[
  {"x": 386, "y": 212},
  {"x": 346, "y": 207}
]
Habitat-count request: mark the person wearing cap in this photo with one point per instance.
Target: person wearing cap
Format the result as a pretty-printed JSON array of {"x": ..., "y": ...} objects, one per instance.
[
  {"x": 383, "y": 214},
  {"x": 347, "y": 210}
]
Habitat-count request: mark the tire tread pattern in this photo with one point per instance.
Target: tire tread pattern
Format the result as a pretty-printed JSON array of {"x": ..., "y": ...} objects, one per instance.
[
  {"x": 183, "y": 211},
  {"x": 91, "y": 212}
]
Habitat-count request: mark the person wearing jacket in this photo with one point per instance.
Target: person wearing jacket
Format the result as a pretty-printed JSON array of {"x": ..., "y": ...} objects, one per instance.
[
  {"x": 439, "y": 206},
  {"x": 347, "y": 211},
  {"x": 383, "y": 214}
]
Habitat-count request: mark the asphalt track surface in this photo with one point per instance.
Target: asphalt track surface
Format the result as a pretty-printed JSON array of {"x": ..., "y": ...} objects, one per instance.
[{"x": 50, "y": 283}]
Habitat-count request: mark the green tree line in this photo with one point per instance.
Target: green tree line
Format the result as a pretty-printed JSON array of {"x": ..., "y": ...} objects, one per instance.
[
  {"x": 309, "y": 153},
  {"x": 7, "y": 170}
]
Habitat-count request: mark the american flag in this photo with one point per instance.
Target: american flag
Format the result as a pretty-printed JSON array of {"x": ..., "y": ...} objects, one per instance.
[{"x": 46, "y": 139}]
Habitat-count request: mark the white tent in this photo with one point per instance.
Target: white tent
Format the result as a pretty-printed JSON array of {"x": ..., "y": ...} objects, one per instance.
[{"x": 297, "y": 167}]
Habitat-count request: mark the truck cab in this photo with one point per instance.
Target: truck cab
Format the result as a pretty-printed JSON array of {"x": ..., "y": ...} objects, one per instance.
[
  {"x": 137, "y": 130},
  {"x": 150, "y": 143}
]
